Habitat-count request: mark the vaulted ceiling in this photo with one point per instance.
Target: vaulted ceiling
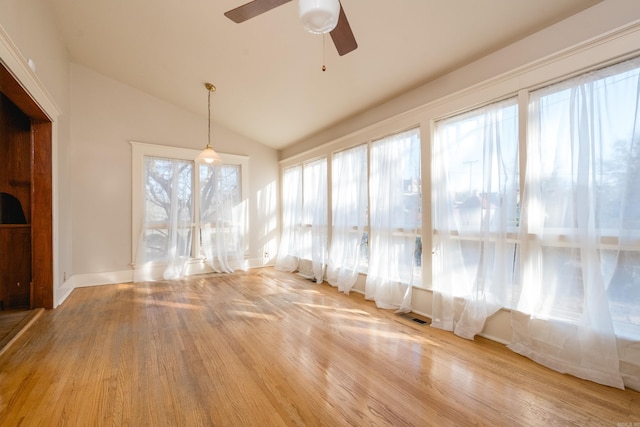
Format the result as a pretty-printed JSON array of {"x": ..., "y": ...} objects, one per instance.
[{"x": 268, "y": 70}]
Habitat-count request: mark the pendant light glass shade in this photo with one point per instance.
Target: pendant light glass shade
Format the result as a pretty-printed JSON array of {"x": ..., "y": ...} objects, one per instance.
[
  {"x": 208, "y": 155},
  {"x": 319, "y": 16}
]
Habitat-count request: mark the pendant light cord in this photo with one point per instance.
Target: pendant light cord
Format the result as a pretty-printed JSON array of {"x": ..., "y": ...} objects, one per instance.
[{"x": 209, "y": 110}]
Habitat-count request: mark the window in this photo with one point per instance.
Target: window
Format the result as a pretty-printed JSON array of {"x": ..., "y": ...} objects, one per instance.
[
  {"x": 395, "y": 194},
  {"x": 395, "y": 220},
  {"x": 582, "y": 217},
  {"x": 475, "y": 188},
  {"x": 349, "y": 191},
  {"x": 222, "y": 218},
  {"x": 578, "y": 309},
  {"x": 376, "y": 212},
  {"x": 477, "y": 169},
  {"x": 303, "y": 245},
  {"x": 288, "y": 252},
  {"x": 168, "y": 185},
  {"x": 185, "y": 212},
  {"x": 584, "y": 202},
  {"x": 314, "y": 219}
]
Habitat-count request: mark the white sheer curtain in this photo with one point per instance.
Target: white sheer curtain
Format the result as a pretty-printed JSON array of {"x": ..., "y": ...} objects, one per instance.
[
  {"x": 287, "y": 259},
  {"x": 349, "y": 207},
  {"x": 164, "y": 246},
  {"x": 475, "y": 202},
  {"x": 222, "y": 217},
  {"x": 581, "y": 229},
  {"x": 314, "y": 217},
  {"x": 395, "y": 201}
]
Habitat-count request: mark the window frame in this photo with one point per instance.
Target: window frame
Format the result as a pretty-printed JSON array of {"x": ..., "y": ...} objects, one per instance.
[
  {"x": 140, "y": 150},
  {"x": 419, "y": 273}
]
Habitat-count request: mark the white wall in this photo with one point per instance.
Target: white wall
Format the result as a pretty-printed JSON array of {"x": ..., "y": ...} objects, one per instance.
[
  {"x": 106, "y": 116},
  {"x": 29, "y": 33}
]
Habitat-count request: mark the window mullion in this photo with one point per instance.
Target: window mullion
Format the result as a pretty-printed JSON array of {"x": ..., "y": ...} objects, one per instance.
[
  {"x": 368, "y": 226},
  {"x": 195, "y": 241},
  {"x": 523, "y": 120}
]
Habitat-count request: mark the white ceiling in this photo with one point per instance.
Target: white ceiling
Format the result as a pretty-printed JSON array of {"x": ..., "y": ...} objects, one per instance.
[{"x": 268, "y": 70}]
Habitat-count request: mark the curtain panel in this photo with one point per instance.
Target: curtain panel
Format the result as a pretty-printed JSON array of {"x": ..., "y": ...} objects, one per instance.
[
  {"x": 290, "y": 239},
  {"x": 349, "y": 216},
  {"x": 395, "y": 201},
  {"x": 222, "y": 217},
  {"x": 475, "y": 215},
  {"x": 304, "y": 238},
  {"x": 315, "y": 227},
  {"x": 579, "y": 307},
  {"x": 172, "y": 190},
  {"x": 164, "y": 245}
]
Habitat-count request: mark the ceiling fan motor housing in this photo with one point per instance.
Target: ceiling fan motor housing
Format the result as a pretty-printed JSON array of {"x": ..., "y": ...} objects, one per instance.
[{"x": 319, "y": 16}]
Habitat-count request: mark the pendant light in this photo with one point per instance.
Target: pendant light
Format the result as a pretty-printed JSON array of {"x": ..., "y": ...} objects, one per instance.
[
  {"x": 208, "y": 155},
  {"x": 319, "y": 16}
]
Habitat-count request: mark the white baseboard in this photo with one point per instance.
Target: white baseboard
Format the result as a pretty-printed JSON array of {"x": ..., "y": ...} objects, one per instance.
[
  {"x": 91, "y": 279},
  {"x": 124, "y": 276}
]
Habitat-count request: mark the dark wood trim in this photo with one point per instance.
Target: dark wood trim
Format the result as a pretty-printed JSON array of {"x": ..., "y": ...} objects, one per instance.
[
  {"x": 19, "y": 96},
  {"x": 41, "y": 218}
]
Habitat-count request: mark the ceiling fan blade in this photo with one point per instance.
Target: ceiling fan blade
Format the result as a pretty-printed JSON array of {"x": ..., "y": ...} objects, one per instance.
[
  {"x": 253, "y": 9},
  {"x": 342, "y": 35}
]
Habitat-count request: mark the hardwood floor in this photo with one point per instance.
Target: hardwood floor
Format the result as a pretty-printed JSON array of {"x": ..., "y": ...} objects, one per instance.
[
  {"x": 266, "y": 348},
  {"x": 13, "y": 323}
]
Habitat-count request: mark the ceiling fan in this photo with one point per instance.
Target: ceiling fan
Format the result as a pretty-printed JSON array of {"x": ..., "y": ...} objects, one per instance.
[{"x": 317, "y": 16}]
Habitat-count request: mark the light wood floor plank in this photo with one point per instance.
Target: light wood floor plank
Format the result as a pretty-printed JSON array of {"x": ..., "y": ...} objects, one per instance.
[{"x": 267, "y": 348}]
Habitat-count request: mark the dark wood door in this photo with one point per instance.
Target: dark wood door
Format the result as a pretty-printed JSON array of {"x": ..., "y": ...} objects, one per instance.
[{"x": 15, "y": 266}]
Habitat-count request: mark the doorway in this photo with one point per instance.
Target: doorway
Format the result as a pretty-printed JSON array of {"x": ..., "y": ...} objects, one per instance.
[{"x": 26, "y": 181}]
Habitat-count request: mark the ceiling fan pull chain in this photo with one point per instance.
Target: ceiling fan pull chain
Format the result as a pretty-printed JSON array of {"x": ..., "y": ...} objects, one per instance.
[{"x": 324, "y": 50}]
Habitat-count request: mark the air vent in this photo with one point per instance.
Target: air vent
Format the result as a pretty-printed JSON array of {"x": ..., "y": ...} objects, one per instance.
[{"x": 415, "y": 319}]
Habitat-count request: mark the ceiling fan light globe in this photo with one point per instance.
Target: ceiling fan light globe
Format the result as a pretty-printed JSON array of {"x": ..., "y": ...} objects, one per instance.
[{"x": 319, "y": 16}]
